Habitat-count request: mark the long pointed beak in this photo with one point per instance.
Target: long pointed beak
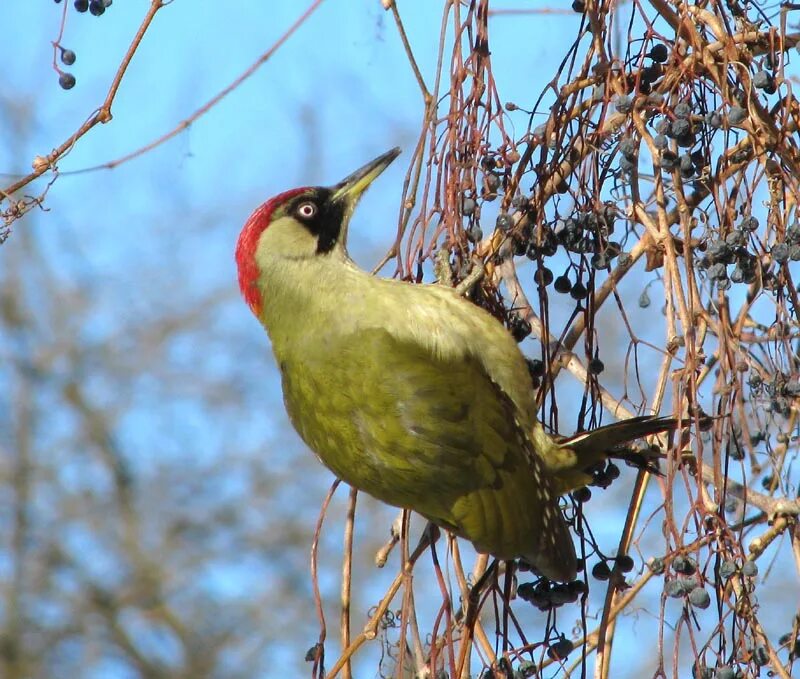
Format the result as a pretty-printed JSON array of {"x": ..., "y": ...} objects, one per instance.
[{"x": 349, "y": 190}]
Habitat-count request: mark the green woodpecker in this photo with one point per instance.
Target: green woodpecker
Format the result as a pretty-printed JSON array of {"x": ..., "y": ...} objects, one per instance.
[{"x": 411, "y": 392}]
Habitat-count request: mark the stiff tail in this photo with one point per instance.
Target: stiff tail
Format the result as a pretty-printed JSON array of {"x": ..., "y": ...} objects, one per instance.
[{"x": 578, "y": 455}]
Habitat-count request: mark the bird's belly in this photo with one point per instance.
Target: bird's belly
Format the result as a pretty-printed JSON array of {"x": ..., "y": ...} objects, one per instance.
[{"x": 363, "y": 442}]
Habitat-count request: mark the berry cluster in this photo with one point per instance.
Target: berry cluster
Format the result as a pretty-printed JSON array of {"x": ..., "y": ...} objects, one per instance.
[
  {"x": 732, "y": 249},
  {"x": 96, "y": 7},
  {"x": 546, "y": 595},
  {"x": 780, "y": 390},
  {"x": 687, "y": 583},
  {"x": 602, "y": 570}
]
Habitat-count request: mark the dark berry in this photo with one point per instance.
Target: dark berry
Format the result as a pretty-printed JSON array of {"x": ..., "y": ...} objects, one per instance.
[
  {"x": 563, "y": 284},
  {"x": 612, "y": 250},
  {"x": 596, "y": 366},
  {"x": 504, "y": 221},
  {"x": 583, "y": 494},
  {"x": 674, "y": 589},
  {"x": 727, "y": 569},
  {"x": 736, "y": 115},
  {"x": 535, "y": 367},
  {"x": 762, "y": 80},
  {"x": 475, "y": 233},
  {"x": 520, "y": 327},
  {"x": 625, "y": 563},
  {"x": 562, "y": 594},
  {"x": 669, "y": 160},
  {"x": 601, "y": 571},
  {"x": 699, "y": 598},
  {"x": 492, "y": 182},
  {"x": 750, "y": 569},
  {"x": 68, "y": 57},
  {"x": 680, "y": 127},
  {"x": 560, "y": 649},
  {"x": 627, "y": 147},
  {"x": 543, "y": 276},
  {"x": 720, "y": 251},
  {"x": 717, "y": 271},
  {"x": 657, "y": 565},
  {"x": 650, "y": 74},
  {"x": 66, "y": 80},
  {"x": 659, "y": 53},
  {"x": 682, "y": 110},
  {"x": 684, "y": 564},
  {"x": 600, "y": 260},
  {"x": 660, "y": 142},
  {"x": 760, "y": 655},
  {"x": 579, "y": 586},
  {"x": 623, "y": 103},
  {"x": 780, "y": 253},
  {"x": 702, "y": 672},
  {"x": 519, "y": 201},
  {"x": 749, "y": 224},
  {"x": 81, "y": 5},
  {"x": 644, "y": 299},
  {"x": 579, "y": 291},
  {"x": 714, "y": 120},
  {"x": 736, "y": 238},
  {"x": 468, "y": 206},
  {"x": 97, "y": 7},
  {"x": 578, "y": 6}
]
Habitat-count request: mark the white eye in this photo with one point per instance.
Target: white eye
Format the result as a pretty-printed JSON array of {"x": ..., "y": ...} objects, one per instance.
[{"x": 306, "y": 210}]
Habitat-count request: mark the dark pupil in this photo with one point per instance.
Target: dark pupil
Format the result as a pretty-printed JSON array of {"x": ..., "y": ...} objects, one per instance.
[{"x": 306, "y": 209}]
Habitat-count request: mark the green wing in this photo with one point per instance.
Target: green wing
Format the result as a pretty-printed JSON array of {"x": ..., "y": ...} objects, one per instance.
[{"x": 430, "y": 434}]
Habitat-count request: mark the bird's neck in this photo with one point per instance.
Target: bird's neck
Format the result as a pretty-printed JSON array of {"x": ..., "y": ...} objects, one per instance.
[{"x": 304, "y": 296}]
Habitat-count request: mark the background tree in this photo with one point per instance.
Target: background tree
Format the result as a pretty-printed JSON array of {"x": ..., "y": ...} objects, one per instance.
[{"x": 632, "y": 195}]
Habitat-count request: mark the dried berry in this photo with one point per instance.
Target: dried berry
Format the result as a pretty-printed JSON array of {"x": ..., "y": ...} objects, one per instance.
[
  {"x": 727, "y": 568},
  {"x": 699, "y": 598},
  {"x": 623, "y": 103},
  {"x": 583, "y": 494},
  {"x": 68, "y": 57},
  {"x": 674, "y": 589},
  {"x": 596, "y": 366},
  {"x": 682, "y": 110},
  {"x": 749, "y": 569},
  {"x": 66, "y": 80},
  {"x": 684, "y": 564},
  {"x": 563, "y": 284},
  {"x": 659, "y": 53},
  {"x": 601, "y": 571},
  {"x": 736, "y": 115},
  {"x": 543, "y": 276},
  {"x": 504, "y": 221},
  {"x": 625, "y": 563}
]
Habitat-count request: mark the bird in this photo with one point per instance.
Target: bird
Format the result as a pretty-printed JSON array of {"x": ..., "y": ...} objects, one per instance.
[{"x": 411, "y": 392}]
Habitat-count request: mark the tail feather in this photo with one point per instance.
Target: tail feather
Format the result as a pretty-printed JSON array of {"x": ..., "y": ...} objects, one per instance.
[{"x": 590, "y": 448}]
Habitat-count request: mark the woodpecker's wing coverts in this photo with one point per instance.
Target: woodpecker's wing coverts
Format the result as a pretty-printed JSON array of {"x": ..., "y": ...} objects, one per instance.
[{"x": 433, "y": 434}]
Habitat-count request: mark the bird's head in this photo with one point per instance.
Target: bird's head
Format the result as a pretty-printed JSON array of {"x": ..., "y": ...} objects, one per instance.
[{"x": 301, "y": 224}]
